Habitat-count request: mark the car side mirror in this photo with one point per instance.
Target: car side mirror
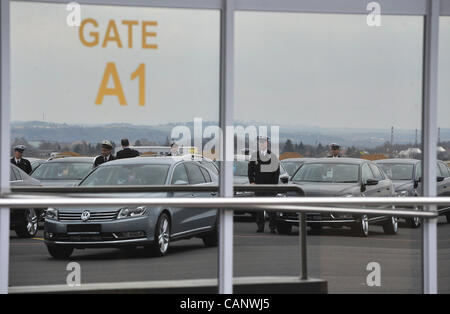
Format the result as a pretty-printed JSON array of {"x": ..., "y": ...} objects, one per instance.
[
  {"x": 371, "y": 182},
  {"x": 180, "y": 182},
  {"x": 440, "y": 179},
  {"x": 416, "y": 183},
  {"x": 284, "y": 179}
]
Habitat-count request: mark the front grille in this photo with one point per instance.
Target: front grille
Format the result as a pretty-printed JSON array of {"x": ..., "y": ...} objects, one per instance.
[{"x": 95, "y": 216}]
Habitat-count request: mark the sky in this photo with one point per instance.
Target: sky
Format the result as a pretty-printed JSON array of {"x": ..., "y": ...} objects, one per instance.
[{"x": 290, "y": 69}]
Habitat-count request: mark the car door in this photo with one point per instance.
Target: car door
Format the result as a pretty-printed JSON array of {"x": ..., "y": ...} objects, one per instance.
[
  {"x": 15, "y": 177},
  {"x": 367, "y": 174},
  {"x": 444, "y": 185},
  {"x": 179, "y": 215},
  {"x": 202, "y": 218},
  {"x": 385, "y": 185}
]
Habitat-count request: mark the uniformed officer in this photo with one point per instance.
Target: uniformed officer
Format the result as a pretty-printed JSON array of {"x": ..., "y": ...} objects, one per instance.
[
  {"x": 335, "y": 150},
  {"x": 19, "y": 161},
  {"x": 173, "y": 149},
  {"x": 126, "y": 151},
  {"x": 106, "y": 154},
  {"x": 264, "y": 168}
]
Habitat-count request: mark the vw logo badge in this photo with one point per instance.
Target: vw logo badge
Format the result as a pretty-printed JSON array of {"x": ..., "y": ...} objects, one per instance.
[{"x": 85, "y": 215}]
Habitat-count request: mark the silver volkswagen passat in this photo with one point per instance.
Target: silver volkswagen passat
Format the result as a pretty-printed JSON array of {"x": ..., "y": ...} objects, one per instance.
[{"x": 145, "y": 226}]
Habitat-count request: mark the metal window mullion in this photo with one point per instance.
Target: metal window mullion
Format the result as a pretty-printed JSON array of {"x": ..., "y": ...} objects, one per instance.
[
  {"x": 4, "y": 142},
  {"x": 429, "y": 142},
  {"x": 227, "y": 147}
]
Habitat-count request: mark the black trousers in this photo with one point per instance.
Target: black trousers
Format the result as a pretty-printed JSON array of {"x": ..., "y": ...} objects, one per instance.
[{"x": 261, "y": 222}]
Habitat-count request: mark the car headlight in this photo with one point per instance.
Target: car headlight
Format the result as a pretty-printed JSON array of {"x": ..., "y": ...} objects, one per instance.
[
  {"x": 130, "y": 212},
  {"x": 51, "y": 214},
  {"x": 402, "y": 194}
]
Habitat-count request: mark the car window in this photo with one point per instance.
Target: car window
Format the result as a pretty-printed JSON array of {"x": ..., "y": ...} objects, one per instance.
[
  {"x": 194, "y": 173},
  {"x": 205, "y": 174},
  {"x": 62, "y": 171},
  {"x": 12, "y": 175},
  {"x": 211, "y": 166},
  {"x": 418, "y": 171},
  {"x": 444, "y": 170},
  {"x": 367, "y": 173},
  {"x": 327, "y": 173},
  {"x": 377, "y": 173},
  {"x": 17, "y": 174},
  {"x": 127, "y": 175},
  {"x": 179, "y": 174}
]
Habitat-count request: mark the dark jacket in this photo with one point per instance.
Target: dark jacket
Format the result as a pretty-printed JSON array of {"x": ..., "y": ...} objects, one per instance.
[
  {"x": 100, "y": 160},
  {"x": 127, "y": 153},
  {"x": 255, "y": 175},
  {"x": 23, "y": 164}
]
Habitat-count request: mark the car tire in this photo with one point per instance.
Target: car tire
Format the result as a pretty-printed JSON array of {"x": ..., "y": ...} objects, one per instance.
[
  {"x": 28, "y": 227},
  {"x": 413, "y": 223},
  {"x": 284, "y": 228},
  {"x": 160, "y": 245},
  {"x": 316, "y": 228},
  {"x": 391, "y": 226},
  {"x": 60, "y": 252},
  {"x": 361, "y": 227}
]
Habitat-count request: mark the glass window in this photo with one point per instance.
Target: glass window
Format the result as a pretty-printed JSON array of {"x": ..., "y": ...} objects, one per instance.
[
  {"x": 205, "y": 174},
  {"x": 127, "y": 175},
  {"x": 377, "y": 173},
  {"x": 180, "y": 175},
  {"x": 194, "y": 173},
  {"x": 366, "y": 173},
  {"x": 12, "y": 175},
  {"x": 332, "y": 173},
  {"x": 240, "y": 168},
  {"x": 62, "y": 171},
  {"x": 398, "y": 171},
  {"x": 444, "y": 170}
]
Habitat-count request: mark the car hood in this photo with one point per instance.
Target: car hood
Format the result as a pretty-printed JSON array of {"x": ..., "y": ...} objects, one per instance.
[
  {"x": 60, "y": 182},
  {"x": 328, "y": 189},
  {"x": 240, "y": 180},
  {"x": 111, "y": 195}
]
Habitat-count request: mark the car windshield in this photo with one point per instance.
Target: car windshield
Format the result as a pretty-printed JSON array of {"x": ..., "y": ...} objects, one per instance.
[
  {"x": 328, "y": 173},
  {"x": 62, "y": 171},
  {"x": 116, "y": 175},
  {"x": 240, "y": 168},
  {"x": 291, "y": 166},
  {"x": 398, "y": 171}
]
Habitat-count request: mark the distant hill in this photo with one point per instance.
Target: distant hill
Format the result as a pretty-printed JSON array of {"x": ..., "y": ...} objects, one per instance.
[{"x": 68, "y": 133}]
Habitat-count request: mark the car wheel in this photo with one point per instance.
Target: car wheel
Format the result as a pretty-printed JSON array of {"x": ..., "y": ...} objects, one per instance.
[
  {"x": 316, "y": 228},
  {"x": 211, "y": 239},
  {"x": 28, "y": 227},
  {"x": 361, "y": 226},
  {"x": 391, "y": 226},
  {"x": 160, "y": 244},
  {"x": 413, "y": 222},
  {"x": 284, "y": 228},
  {"x": 60, "y": 252}
]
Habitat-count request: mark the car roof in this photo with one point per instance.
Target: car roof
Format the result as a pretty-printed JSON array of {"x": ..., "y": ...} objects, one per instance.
[
  {"x": 167, "y": 160},
  {"x": 73, "y": 159},
  {"x": 398, "y": 161},
  {"x": 298, "y": 159},
  {"x": 350, "y": 161}
]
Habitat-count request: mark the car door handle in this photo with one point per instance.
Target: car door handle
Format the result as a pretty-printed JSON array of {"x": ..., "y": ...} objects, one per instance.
[
  {"x": 193, "y": 195},
  {"x": 213, "y": 193}
]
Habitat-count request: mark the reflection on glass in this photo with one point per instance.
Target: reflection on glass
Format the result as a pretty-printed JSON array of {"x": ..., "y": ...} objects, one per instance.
[{"x": 336, "y": 87}]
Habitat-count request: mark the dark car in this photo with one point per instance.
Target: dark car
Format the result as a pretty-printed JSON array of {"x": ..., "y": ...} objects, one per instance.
[
  {"x": 292, "y": 164},
  {"x": 406, "y": 175},
  {"x": 67, "y": 171},
  {"x": 341, "y": 177},
  {"x": 24, "y": 221},
  {"x": 128, "y": 227}
]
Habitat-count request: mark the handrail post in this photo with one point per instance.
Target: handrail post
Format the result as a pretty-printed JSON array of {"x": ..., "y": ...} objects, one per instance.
[
  {"x": 225, "y": 275},
  {"x": 4, "y": 143},
  {"x": 303, "y": 248},
  {"x": 429, "y": 142}
]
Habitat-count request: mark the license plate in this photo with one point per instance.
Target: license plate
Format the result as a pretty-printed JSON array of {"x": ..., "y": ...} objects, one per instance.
[{"x": 85, "y": 228}]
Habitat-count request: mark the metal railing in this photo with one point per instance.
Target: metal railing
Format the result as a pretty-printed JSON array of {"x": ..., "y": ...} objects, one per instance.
[{"x": 42, "y": 197}]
